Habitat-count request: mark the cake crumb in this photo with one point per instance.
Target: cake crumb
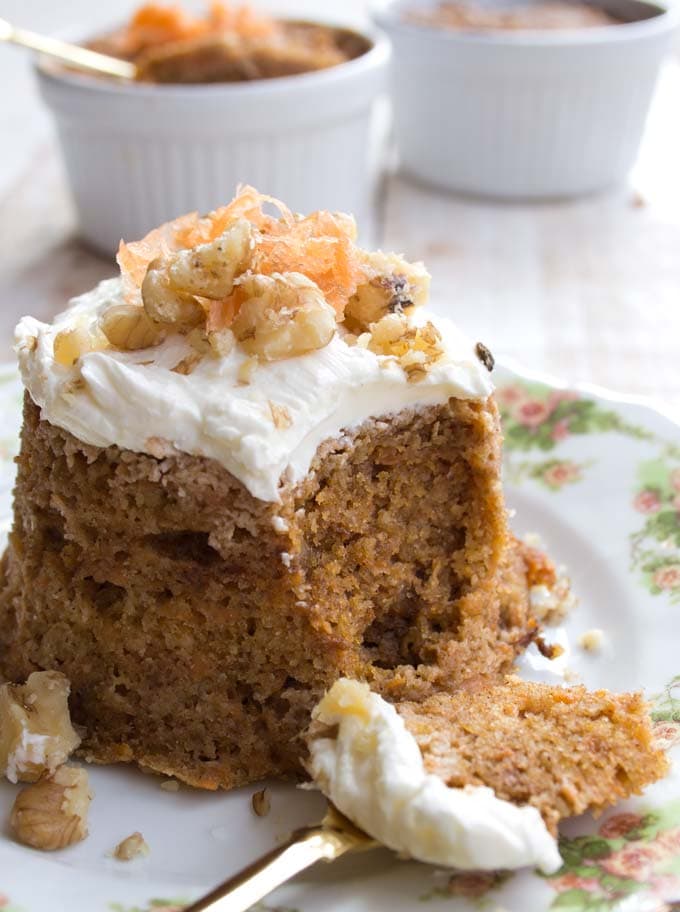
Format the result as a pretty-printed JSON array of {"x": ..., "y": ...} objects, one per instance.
[
  {"x": 170, "y": 785},
  {"x": 261, "y": 802},
  {"x": 551, "y": 604},
  {"x": 132, "y": 846},
  {"x": 591, "y": 640}
]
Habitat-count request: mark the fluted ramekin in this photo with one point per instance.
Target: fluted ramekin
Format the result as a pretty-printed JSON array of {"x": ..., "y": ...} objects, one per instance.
[
  {"x": 525, "y": 114},
  {"x": 137, "y": 155}
]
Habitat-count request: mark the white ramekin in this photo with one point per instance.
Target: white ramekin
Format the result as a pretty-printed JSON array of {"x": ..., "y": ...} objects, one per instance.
[
  {"x": 524, "y": 114},
  {"x": 139, "y": 155}
]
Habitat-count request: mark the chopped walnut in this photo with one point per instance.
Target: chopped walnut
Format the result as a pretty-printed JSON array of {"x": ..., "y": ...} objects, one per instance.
[
  {"x": 246, "y": 370},
  {"x": 416, "y": 348},
  {"x": 131, "y": 847},
  {"x": 394, "y": 287},
  {"x": 70, "y": 344},
  {"x": 261, "y": 802},
  {"x": 52, "y": 813},
  {"x": 282, "y": 315},
  {"x": 221, "y": 342},
  {"x": 36, "y": 735},
  {"x": 129, "y": 328},
  {"x": 170, "y": 785},
  {"x": 187, "y": 364},
  {"x": 280, "y": 416},
  {"x": 166, "y": 304},
  {"x": 209, "y": 270}
]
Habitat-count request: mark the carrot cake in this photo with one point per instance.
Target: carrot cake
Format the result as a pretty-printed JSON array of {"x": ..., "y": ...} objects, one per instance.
[
  {"x": 479, "y": 779},
  {"x": 250, "y": 465}
]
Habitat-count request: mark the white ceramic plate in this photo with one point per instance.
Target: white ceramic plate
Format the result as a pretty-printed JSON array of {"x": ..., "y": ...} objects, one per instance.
[{"x": 599, "y": 479}]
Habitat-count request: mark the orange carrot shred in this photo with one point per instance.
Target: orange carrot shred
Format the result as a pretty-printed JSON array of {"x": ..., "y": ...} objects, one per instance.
[{"x": 320, "y": 246}]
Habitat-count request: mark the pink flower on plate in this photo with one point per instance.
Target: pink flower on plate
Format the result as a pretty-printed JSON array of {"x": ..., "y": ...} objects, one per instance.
[
  {"x": 471, "y": 884},
  {"x": 561, "y": 473},
  {"x": 647, "y": 501},
  {"x": 560, "y": 431},
  {"x": 665, "y": 886},
  {"x": 557, "y": 396},
  {"x": 4, "y": 900},
  {"x": 510, "y": 395},
  {"x": 675, "y": 479},
  {"x": 635, "y": 861},
  {"x": 619, "y": 825},
  {"x": 532, "y": 413},
  {"x": 574, "y": 882},
  {"x": 669, "y": 841},
  {"x": 666, "y": 734},
  {"x": 667, "y": 577}
]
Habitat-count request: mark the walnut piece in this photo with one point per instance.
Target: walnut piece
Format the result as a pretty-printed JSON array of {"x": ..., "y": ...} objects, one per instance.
[
  {"x": 36, "y": 735},
  {"x": 70, "y": 344},
  {"x": 261, "y": 802},
  {"x": 209, "y": 270},
  {"x": 282, "y": 315},
  {"x": 52, "y": 813},
  {"x": 129, "y": 328},
  {"x": 394, "y": 287},
  {"x": 416, "y": 348},
  {"x": 131, "y": 847},
  {"x": 280, "y": 416},
  {"x": 166, "y": 304}
]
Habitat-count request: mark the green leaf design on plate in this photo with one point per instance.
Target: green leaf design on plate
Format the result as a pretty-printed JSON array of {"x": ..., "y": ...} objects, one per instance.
[{"x": 655, "y": 547}]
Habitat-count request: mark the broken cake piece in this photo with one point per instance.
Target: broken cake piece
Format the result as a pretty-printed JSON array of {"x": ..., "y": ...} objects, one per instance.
[{"x": 478, "y": 779}]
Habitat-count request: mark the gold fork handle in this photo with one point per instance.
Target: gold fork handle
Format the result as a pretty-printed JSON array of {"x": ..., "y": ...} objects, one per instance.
[
  {"x": 68, "y": 53},
  {"x": 253, "y": 883}
]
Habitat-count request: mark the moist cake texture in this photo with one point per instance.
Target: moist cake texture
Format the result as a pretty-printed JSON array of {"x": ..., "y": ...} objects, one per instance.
[
  {"x": 250, "y": 466},
  {"x": 197, "y": 637},
  {"x": 561, "y": 750}
]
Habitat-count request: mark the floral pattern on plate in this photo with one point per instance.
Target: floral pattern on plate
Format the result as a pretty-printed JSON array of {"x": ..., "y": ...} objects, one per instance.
[{"x": 655, "y": 548}]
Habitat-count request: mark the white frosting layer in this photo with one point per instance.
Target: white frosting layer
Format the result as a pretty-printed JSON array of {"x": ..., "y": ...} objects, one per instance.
[
  {"x": 373, "y": 772},
  {"x": 133, "y": 399}
]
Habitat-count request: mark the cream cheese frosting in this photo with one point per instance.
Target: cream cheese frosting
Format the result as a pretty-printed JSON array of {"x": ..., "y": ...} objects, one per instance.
[
  {"x": 135, "y": 399},
  {"x": 372, "y": 770}
]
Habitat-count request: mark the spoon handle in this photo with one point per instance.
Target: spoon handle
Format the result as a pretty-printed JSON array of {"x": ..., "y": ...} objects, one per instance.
[
  {"x": 71, "y": 54},
  {"x": 254, "y": 882}
]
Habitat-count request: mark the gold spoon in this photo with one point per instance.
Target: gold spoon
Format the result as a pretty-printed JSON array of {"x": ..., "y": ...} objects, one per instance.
[
  {"x": 326, "y": 841},
  {"x": 71, "y": 54}
]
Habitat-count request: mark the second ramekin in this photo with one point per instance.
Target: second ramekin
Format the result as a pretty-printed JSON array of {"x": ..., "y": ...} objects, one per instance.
[
  {"x": 139, "y": 155},
  {"x": 525, "y": 114}
]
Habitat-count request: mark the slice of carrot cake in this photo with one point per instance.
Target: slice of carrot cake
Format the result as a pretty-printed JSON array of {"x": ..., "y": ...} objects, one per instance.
[
  {"x": 252, "y": 464},
  {"x": 479, "y": 779}
]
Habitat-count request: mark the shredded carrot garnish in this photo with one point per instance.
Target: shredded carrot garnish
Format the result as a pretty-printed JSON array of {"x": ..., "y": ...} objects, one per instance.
[
  {"x": 320, "y": 246},
  {"x": 154, "y": 24}
]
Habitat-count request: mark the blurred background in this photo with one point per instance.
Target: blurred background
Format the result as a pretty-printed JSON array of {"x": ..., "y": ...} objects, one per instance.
[{"x": 585, "y": 288}]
